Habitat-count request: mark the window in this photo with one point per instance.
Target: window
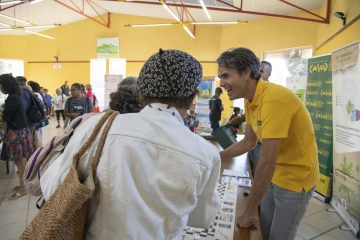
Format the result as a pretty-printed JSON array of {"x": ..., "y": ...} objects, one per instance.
[
  {"x": 15, "y": 67},
  {"x": 288, "y": 64},
  {"x": 117, "y": 67},
  {"x": 97, "y": 79},
  {"x": 290, "y": 68}
]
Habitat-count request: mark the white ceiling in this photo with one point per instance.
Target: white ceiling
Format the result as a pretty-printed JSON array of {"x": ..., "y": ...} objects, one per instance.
[{"x": 49, "y": 12}]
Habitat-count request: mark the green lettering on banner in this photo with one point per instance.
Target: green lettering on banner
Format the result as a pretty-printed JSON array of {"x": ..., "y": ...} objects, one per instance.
[{"x": 318, "y": 101}]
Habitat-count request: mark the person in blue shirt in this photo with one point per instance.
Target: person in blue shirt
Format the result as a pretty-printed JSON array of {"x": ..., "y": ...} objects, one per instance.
[{"x": 48, "y": 100}]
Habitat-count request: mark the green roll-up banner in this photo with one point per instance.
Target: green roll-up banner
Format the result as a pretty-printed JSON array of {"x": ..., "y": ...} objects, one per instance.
[{"x": 319, "y": 104}]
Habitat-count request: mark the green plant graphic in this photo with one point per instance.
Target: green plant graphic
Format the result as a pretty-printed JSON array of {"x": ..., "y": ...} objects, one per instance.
[
  {"x": 347, "y": 168},
  {"x": 357, "y": 169},
  {"x": 108, "y": 49},
  {"x": 348, "y": 193},
  {"x": 205, "y": 94},
  {"x": 349, "y": 106}
]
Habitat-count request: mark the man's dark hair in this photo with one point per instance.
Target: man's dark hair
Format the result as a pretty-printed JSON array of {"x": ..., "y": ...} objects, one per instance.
[
  {"x": 236, "y": 109},
  {"x": 78, "y": 86},
  {"x": 22, "y": 80},
  {"x": 219, "y": 90},
  {"x": 9, "y": 84},
  {"x": 241, "y": 59},
  {"x": 268, "y": 64},
  {"x": 34, "y": 86}
]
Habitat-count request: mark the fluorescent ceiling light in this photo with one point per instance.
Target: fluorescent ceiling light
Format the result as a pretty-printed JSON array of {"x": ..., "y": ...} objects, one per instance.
[
  {"x": 171, "y": 12},
  {"x": 189, "y": 32},
  {"x": 39, "y": 34},
  {"x": 42, "y": 26},
  {"x": 216, "y": 23},
  {"x": 35, "y": 1},
  {"x": 9, "y": 2},
  {"x": 15, "y": 19},
  {"x": 4, "y": 24},
  {"x": 150, "y": 25},
  {"x": 205, "y": 9},
  {"x": 5, "y": 29}
]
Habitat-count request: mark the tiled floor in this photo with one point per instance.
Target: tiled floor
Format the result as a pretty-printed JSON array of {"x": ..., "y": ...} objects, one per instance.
[{"x": 318, "y": 223}]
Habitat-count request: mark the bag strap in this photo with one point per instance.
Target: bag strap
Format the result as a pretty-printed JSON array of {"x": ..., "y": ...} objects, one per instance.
[
  {"x": 96, "y": 158},
  {"x": 87, "y": 144}
]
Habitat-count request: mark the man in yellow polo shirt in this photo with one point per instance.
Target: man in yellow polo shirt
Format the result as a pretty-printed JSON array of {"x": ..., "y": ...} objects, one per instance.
[{"x": 288, "y": 169}]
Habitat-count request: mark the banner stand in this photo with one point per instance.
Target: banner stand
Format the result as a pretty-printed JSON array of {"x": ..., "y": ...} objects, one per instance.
[
  {"x": 319, "y": 104},
  {"x": 346, "y": 220},
  {"x": 322, "y": 198},
  {"x": 346, "y": 138}
]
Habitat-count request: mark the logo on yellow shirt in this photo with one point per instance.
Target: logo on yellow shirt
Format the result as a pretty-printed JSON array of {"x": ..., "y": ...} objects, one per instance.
[{"x": 259, "y": 122}]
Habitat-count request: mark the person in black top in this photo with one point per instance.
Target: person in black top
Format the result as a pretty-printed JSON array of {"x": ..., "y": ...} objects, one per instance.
[
  {"x": 26, "y": 97},
  {"x": 17, "y": 145},
  {"x": 65, "y": 89},
  {"x": 216, "y": 107}
]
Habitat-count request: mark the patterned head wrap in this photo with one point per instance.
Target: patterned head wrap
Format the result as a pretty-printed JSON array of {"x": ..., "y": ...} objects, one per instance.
[{"x": 169, "y": 73}]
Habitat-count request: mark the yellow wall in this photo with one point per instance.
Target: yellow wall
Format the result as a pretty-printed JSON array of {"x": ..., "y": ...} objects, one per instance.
[
  {"x": 14, "y": 47},
  {"x": 269, "y": 34},
  {"x": 351, "y": 8},
  {"x": 77, "y": 42}
]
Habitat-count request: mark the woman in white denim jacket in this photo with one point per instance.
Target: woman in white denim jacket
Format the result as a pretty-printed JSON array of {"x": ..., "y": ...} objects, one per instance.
[{"x": 154, "y": 176}]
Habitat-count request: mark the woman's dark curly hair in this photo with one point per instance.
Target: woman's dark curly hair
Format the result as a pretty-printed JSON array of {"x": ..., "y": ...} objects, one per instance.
[
  {"x": 34, "y": 86},
  {"x": 125, "y": 99},
  {"x": 9, "y": 84}
]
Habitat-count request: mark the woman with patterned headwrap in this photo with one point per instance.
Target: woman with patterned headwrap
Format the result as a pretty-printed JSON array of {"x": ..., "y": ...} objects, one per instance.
[{"x": 154, "y": 176}]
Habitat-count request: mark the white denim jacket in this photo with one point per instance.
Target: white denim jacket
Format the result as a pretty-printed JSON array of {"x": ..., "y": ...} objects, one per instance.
[{"x": 154, "y": 177}]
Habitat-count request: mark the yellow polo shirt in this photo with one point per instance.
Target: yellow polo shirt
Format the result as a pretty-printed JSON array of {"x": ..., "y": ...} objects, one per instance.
[{"x": 276, "y": 112}]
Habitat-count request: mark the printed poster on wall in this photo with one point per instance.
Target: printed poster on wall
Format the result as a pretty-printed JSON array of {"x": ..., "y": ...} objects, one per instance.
[
  {"x": 319, "y": 104},
  {"x": 108, "y": 47},
  {"x": 346, "y": 124},
  {"x": 207, "y": 90},
  {"x": 111, "y": 83}
]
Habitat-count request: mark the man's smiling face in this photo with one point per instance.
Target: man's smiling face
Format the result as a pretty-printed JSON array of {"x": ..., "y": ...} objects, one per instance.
[{"x": 234, "y": 83}]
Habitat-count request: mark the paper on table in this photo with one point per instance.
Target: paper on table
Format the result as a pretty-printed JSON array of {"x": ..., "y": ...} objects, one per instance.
[
  {"x": 204, "y": 134},
  {"x": 231, "y": 173},
  {"x": 244, "y": 182}
]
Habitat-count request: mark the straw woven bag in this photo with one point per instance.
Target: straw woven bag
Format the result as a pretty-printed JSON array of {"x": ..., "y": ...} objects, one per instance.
[{"x": 64, "y": 214}]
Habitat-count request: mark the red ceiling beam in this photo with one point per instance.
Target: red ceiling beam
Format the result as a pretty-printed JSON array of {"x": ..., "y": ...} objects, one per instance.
[
  {"x": 3, "y": 9},
  {"x": 236, "y": 10},
  {"x": 81, "y": 12},
  {"x": 302, "y": 9},
  {"x": 230, "y": 5}
]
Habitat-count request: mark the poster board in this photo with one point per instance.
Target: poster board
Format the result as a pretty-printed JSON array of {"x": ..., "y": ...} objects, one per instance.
[
  {"x": 107, "y": 47},
  {"x": 111, "y": 83},
  {"x": 207, "y": 90},
  {"x": 346, "y": 125}
]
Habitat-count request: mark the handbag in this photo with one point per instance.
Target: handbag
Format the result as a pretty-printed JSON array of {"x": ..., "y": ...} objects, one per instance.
[
  {"x": 44, "y": 156},
  {"x": 64, "y": 215}
]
